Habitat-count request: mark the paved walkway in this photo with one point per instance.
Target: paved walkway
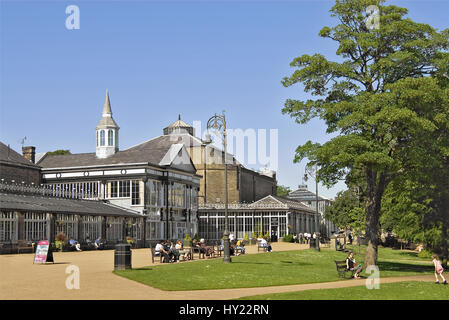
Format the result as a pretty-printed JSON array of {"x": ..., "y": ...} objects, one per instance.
[{"x": 21, "y": 279}]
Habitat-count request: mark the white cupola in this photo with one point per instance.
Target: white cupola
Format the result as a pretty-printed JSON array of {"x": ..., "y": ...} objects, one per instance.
[{"x": 107, "y": 132}]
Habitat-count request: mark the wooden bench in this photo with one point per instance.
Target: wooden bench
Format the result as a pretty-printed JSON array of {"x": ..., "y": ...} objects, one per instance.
[
  {"x": 260, "y": 246},
  {"x": 154, "y": 255},
  {"x": 219, "y": 250},
  {"x": 24, "y": 245},
  {"x": 342, "y": 271}
]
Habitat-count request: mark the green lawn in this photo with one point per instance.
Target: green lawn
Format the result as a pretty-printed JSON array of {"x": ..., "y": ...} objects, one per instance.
[
  {"x": 390, "y": 291},
  {"x": 269, "y": 269}
]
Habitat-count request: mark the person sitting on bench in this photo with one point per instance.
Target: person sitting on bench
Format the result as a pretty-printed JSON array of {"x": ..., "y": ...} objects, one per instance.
[
  {"x": 265, "y": 244},
  {"x": 160, "y": 250},
  {"x": 350, "y": 265},
  {"x": 240, "y": 246}
]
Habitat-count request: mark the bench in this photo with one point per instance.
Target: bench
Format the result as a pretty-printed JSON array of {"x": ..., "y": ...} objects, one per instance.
[
  {"x": 24, "y": 245},
  {"x": 154, "y": 255},
  {"x": 219, "y": 250},
  {"x": 342, "y": 271},
  {"x": 260, "y": 246}
]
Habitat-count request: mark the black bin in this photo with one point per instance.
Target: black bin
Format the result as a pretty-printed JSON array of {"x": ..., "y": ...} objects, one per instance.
[{"x": 122, "y": 257}]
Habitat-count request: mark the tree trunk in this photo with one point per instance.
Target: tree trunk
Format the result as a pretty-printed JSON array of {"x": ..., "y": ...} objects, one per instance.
[
  {"x": 372, "y": 229},
  {"x": 375, "y": 188}
]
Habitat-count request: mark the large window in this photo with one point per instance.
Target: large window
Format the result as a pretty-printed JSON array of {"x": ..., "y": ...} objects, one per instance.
[
  {"x": 8, "y": 226},
  {"x": 66, "y": 224},
  {"x": 91, "y": 227},
  {"x": 36, "y": 226},
  {"x": 110, "y": 138},
  {"x": 120, "y": 189},
  {"x": 177, "y": 195},
  {"x": 154, "y": 193},
  {"x": 102, "y": 138},
  {"x": 114, "y": 231},
  {"x": 135, "y": 199}
]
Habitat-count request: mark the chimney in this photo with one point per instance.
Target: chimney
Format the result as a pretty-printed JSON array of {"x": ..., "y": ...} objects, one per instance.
[{"x": 29, "y": 153}]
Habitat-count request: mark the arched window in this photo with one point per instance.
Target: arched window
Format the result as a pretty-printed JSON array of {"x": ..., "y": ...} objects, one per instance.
[
  {"x": 102, "y": 137},
  {"x": 110, "y": 137},
  {"x": 97, "y": 138}
]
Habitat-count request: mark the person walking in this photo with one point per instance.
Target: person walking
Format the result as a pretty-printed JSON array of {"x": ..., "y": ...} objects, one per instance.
[{"x": 438, "y": 269}]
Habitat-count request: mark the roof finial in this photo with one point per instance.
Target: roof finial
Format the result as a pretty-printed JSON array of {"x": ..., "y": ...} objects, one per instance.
[{"x": 179, "y": 116}]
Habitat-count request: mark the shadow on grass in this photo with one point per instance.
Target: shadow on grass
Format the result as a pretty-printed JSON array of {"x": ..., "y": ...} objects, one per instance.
[
  {"x": 142, "y": 269},
  {"x": 247, "y": 262},
  {"x": 404, "y": 267},
  {"x": 297, "y": 263}
]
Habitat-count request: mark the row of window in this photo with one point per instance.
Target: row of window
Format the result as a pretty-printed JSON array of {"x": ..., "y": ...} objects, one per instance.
[
  {"x": 179, "y": 196},
  {"x": 125, "y": 189}
]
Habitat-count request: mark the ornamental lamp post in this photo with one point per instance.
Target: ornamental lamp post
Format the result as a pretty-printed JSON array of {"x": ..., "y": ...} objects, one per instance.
[
  {"x": 218, "y": 124},
  {"x": 205, "y": 143}
]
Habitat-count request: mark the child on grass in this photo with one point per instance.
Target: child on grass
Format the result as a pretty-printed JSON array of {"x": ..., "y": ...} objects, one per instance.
[{"x": 438, "y": 269}]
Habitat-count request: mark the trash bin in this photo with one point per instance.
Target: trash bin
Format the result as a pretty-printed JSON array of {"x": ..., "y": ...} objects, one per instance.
[{"x": 122, "y": 257}]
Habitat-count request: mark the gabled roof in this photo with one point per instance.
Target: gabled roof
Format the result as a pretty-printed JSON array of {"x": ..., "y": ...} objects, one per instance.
[
  {"x": 9, "y": 156},
  {"x": 282, "y": 202},
  {"x": 267, "y": 203},
  {"x": 152, "y": 151}
]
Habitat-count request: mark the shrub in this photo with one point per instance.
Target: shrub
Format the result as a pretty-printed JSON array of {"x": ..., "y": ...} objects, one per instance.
[
  {"x": 288, "y": 238},
  {"x": 425, "y": 254},
  {"x": 267, "y": 236},
  {"x": 260, "y": 235},
  {"x": 61, "y": 237},
  {"x": 245, "y": 237},
  {"x": 253, "y": 235}
]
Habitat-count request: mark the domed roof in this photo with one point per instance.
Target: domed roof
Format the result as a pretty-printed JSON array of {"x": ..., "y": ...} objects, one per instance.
[{"x": 179, "y": 126}]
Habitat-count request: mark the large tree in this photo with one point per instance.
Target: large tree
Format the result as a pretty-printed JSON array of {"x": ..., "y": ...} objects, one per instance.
[
  {"x": 346, "y": 212},
  {"x": 361, "y": 98},
  {"x": 416, "y": 204}
]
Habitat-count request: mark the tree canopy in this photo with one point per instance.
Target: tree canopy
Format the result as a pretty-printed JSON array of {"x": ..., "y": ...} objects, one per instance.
[{"x": 378, "y": 98}]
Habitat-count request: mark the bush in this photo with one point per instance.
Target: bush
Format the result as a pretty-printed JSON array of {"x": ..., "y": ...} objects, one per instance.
[
  {"x": 288, "y": 238},
  {"x": 245, "y": 237},
  {"x": 187, "y": 241},
  {"x": 253, "y": 235},
  {"x": 425, "y": 254},
  {"x": 267, "y": 236}
]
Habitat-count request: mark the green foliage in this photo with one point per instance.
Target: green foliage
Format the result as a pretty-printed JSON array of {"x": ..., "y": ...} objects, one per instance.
[
  {"x": 288, "y": 238},
  {"x": 283, "y": 190},
  {"x": 245, "y": 237},
  {"x": 253, "y": 235},
  {"x": 195, "y": 237},
  {"x": 267, "y": 236},
  {"x": 58, "y": 152},
  {"x": 425, "y": 254},
  {"x": 379, "y": 99},
  {"x": 346, "y": 212}
]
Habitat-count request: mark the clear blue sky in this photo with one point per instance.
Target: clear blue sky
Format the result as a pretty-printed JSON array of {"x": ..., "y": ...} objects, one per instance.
[{"x": 158, "y": 60}]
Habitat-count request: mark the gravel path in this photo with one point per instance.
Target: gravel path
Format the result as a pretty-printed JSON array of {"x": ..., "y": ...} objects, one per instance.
[{"x": 21, "y": 279}]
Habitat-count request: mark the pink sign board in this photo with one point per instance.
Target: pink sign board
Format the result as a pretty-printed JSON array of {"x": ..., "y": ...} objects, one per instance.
[{"x": 41, "y": 252}]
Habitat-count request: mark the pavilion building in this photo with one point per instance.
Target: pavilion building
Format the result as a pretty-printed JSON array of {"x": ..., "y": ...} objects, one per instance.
[
  {"x": 156, "y": 178},
  {"x": 309, "y": 198}
]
